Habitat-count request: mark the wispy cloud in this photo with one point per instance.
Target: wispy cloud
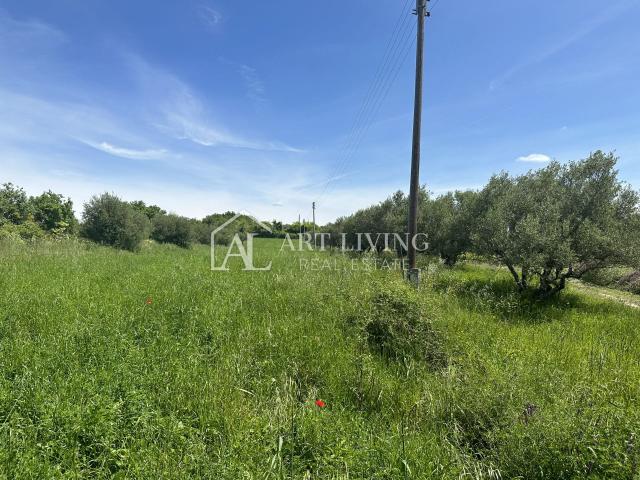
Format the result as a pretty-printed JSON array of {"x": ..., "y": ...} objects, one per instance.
[
  {"x": 55, "y": 138},
  {"x": 149, "y": 154},
  {"x": 535, "y": 158},
  {"x": 178, "y": 111},
  {"x": 255, "y": 86},
  {"x": 17, "y": 36},
  {"x": 186, "y": 126},
  {"x": 604, "y": 16},
  {"x": 209, "y": 16}
]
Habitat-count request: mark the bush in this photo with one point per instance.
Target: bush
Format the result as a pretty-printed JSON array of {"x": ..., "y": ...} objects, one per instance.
[
  {"x": 621, "y": 278},
  {"x": 27, "y": 230},
  {"x": 172, "y": 229},
  {"x": 607, "y": 277},
  {"x": 630, "y": 282},
  {"x": 109, "y": 220},
  {"x": 395, "y": 326},
  {"x": 14, "y": 204},
  {"x": 53, "y": 213},
  {"x": 150, "y": 211},
  {"x": 202, "y": 233}
]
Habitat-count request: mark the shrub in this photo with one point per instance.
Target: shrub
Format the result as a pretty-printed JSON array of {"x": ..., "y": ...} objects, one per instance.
[
  {"x": 53, "y": 212},
  {"x": 150, "y": 211},
  {"x": 396, "y": 327},
  {"x": 28, "y": 230},
  {"x": 607, "y": 277},
  {"x": 630, "y": 282},
  {"x": 448, "y": 222},
  {"x": 14, "y": 204},
  {"x": 172, "y": 229},
  {"x": 109, "y": 220},
  {"x": 202, "y": 233}
]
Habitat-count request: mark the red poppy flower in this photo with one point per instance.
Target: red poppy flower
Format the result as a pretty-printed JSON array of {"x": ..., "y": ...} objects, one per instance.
[
  {"x": 149, "y": 301},
  {"x": 320, "y": 403}
]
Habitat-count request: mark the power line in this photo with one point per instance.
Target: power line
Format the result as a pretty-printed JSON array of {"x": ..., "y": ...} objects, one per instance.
[
  {"x": 371, "y": 114},
  {"x": 371, "y": 98},
  {"x": 378, "y": 87}
]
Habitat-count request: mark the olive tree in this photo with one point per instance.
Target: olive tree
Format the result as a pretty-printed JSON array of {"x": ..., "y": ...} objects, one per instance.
[
  {"x": 448, "y": 223},
  {"x": 559, "y": 222}
]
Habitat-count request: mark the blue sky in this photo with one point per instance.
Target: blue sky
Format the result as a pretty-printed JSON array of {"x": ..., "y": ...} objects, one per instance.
[{"x": 205, "y": 106}]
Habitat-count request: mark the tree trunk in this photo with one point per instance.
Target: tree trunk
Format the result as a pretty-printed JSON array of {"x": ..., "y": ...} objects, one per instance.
[
  {"x": 524, "y": 278},
  {"x": 516, "y": 277},
  {"x": 551, "y": 286}
]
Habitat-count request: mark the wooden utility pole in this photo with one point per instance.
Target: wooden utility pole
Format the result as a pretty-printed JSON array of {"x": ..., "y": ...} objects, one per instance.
[
  {"x": 413, "y": 274},
  {"x": 314, "y": 224}
]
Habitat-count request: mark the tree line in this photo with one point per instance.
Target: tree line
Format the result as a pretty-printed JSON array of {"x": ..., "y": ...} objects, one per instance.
[
  {"x": 108, "y": 220},
  {"x": 545, "y": 226}
]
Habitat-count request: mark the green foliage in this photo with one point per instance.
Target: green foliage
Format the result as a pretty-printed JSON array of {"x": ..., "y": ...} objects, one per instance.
[
  {"x": 151, "y": 211},
  {"x": 30, "y": 218},
  {"x": 396, "y": 327},
  {"x": 111, "y": 221},
  {"x": 27, "y": 230},
  {"x": 448, "y": 221},
  {"x": 558, "y": 222},
  {"x": 548, "y": 225},
  {"x": 241, "y": 226},
  {"x": 296, "y": 227},
  {"x": 172, "y": 229},
  {"x": 386, "y": 217},
  {"x": 53, "y": 213},
  {"x": 201, "y": 232},
  {"x": 622, "y": 278},
  {"x": 14, "y": 204}
]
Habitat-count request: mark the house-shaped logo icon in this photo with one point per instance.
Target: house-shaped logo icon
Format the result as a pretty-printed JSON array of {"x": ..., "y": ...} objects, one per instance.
[{"x": 246, "y": 253}]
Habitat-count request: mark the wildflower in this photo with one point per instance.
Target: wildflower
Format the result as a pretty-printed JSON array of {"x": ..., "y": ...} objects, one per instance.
[
  {"x": 149, "y": 301},
  {"x": 320, "y": 404}
]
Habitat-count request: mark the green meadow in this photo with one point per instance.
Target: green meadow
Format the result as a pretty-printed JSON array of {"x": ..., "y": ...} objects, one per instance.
[{"x": 149, "y": 365}]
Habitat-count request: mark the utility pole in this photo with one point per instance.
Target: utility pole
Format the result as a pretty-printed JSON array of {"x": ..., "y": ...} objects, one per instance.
[
  {"x": 413, "y": 274},
  {"x": 314, "y": 224},
  {"x": 300, "y": 225}
]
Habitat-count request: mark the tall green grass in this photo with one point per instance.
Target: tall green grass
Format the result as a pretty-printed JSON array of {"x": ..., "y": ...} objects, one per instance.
[{"x": 149, "y": 365}]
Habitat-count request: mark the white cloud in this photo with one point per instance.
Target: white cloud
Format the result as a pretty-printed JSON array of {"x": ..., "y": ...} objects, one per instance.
[
  {"x": 150, "y": 154},
  {"x": 18, "y": 36},
  {"x": 535, "y": 158},
  {"x": 189, "y": 127},
  {"x": 271, "y": 194},
  {"x": 179, "y": 112},
  {"x": 601, "y": 16},
  {"x": 255, "y": 87},
  {"x": 209, "y": 16}
]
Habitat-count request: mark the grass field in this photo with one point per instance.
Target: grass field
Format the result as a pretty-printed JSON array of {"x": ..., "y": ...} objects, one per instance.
[{"x": 149, "y": 365}]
